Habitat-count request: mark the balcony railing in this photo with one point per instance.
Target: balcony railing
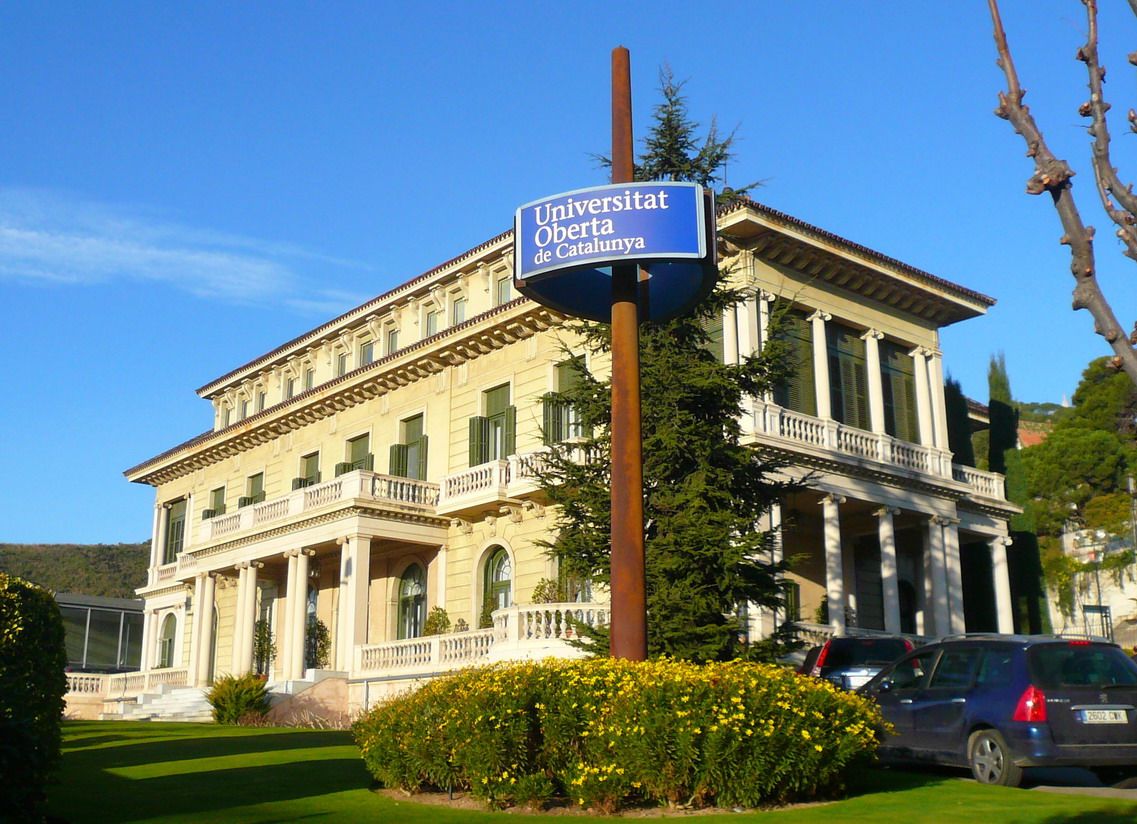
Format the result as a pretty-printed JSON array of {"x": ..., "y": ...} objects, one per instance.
[
  {"x": 490, "y": 482},
  {"x": 125, "y": 684},
  {"x": 770, "y": 421},
  {"x": 358, "y": 484}
]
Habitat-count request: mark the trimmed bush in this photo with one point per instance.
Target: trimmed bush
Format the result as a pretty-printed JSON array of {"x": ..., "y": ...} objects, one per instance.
[
  {"x": 238, "y": 699},
  {"x": 608, "y": 733},
  {"x": 33, "y": 681}
]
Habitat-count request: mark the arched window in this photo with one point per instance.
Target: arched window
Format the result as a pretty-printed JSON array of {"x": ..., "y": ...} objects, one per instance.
[
  {"x": 166, "y": 642},
  {"x": 499, "y": 579},
  {"x": 412, "y": 602}
]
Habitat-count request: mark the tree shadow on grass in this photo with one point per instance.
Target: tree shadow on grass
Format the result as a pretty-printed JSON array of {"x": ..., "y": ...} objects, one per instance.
[
  {"x": 131, "y": 752},
  {"x": 209, "y": 791},
  {"x": 868, "y": 780},
  {"x": 1126, "y": 815}
]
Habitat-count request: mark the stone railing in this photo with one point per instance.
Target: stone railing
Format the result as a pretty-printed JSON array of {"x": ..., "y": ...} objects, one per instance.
[
  {"x": 546, "y": 622},
  {"x": 82, "y": 683},
  {"x": 814, "y": 634},
  {"x": 361, "y": 483},
  {"x": 125, "y": 684},
  {"x": 770, "y": 421},
  {"x": 492, "y": 482},
  {"x": 433, "y": 653}
]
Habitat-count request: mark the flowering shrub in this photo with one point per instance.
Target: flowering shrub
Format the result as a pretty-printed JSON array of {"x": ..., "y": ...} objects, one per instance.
[{"x": 605, "y": 733}]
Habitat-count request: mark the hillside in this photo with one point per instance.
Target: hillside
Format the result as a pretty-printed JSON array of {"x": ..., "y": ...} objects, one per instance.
[{"x": 112, "y": 570}]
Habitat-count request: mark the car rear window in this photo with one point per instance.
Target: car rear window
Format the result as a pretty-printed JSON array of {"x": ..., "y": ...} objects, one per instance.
[
  {"x": 1080, "y": 665},
  {"x": 848, "y": 652}
]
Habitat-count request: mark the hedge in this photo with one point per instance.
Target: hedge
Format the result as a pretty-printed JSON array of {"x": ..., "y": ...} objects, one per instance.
[
  {"x": 33, "y": 681},
  {"x": 607, "y": 734}
]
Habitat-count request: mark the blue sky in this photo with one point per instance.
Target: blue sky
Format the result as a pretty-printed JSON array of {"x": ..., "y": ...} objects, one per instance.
[{"x": 185, "y": 186}]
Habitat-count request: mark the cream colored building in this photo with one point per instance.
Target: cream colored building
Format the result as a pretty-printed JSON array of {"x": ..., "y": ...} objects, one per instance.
[{"x": 382, "y": 465}]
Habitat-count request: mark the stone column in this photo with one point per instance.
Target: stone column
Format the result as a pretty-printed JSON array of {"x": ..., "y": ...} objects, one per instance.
[
  {"x": 285, "y": 616},
  {"x": 205, "y": 646},
  {"x": 820, "y": 346},
  {"x": 249, "y": 618},
  {"x": 941, "y": 623},
  {"x": 765, "y": 301},
  {"x": 298, "y": 609},
  {"x": 876, "y": 390},
  {"x": 146, "y": 658},
  {"x": 730, "y": 334},
  {"x": 195, "y": 628},
  {"x": 355, "y": 574},
  {"x": 1004, "y": 606},
  {"x": 188, "y": 525},
  {"x": 834, "y": 570},
  {"x": 954, "y": 575},
  {"x": 155, "y": 534},
  {"x": 939, "y": 407},
  {"x": 748, "y": 341},
  {"x": 923, "y": 400},
  {"x": 889, "y": 582},
  {"x": 238, "y": 619}
]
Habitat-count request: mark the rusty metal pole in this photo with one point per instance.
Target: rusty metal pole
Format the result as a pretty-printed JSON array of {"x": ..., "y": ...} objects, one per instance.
[{"x": 628, "y": 625}]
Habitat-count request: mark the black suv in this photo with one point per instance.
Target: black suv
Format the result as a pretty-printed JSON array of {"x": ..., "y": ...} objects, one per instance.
[
  {"x": 999, "y": 703},
  {"x": 851, "y": 660}
]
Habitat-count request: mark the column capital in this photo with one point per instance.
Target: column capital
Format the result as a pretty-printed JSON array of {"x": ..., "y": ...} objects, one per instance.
[
  {"x": 833, "y": 498},
  {"x": 1000, "y": 540},
  {"x": 820, "y": 315},
  {"x": 769, "y": 297},
  {"x": 890, "y": 511},
  {"x": 919, "y": 352},
  {"x": 872, "y": 334},
  {"x": 944, "y": 520}
]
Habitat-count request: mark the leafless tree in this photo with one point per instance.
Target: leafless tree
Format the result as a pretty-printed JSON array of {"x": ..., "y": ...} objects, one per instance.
[{"x": 1052, "y": 175}]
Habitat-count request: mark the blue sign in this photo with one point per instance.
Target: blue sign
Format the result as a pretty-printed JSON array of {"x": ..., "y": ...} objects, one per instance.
[{"x": 564, "y": 246}]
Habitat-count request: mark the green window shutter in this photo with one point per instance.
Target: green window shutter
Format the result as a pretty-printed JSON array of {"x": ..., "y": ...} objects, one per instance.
[
  {"x": 798, "y": 392},
  {"x": 509, "y": 441},
  {"x": 479, "y": 440},
  {"x": 398, "y": 464},
  {"x": 497, "y": 399},
  {"x": 421, "y": 469},
  {"x": 552, "y": 414},
  {"x": 715, "y": 345}
]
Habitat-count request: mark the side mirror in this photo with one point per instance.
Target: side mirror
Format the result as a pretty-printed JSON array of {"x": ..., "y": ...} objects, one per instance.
[{"x": 885, "y": 685}]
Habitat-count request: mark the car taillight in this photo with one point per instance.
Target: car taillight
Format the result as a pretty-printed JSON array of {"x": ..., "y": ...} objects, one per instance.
[
  {"x": 1031, "y": 706},
  {"x": 1078, "y": 643},
  {"x": 908, "y": 646},
  {"x": 821, "y": 656}
]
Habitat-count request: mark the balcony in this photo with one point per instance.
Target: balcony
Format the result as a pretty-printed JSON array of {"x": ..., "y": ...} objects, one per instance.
[
  {"x": 490, "y": 483},
  {"x": 360, "y": 484},
  {"x": 798, "y": 432}
]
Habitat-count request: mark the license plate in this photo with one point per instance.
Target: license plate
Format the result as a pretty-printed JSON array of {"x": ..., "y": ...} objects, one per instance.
[{"x": 1104, "y": 717}]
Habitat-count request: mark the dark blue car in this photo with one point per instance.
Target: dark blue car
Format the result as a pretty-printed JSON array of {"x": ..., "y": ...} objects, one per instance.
[{"x": 1000, "y": 703}]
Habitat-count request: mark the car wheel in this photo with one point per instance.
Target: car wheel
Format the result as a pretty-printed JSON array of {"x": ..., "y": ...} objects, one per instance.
[{"x": 990, "y": 759}]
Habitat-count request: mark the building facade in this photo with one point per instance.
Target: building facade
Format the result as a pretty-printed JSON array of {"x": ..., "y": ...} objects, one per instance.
[{"x": 383, "y": 465}]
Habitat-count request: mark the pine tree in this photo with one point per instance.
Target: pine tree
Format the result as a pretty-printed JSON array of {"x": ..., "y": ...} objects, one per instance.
[{"x": 704, "y": 492}]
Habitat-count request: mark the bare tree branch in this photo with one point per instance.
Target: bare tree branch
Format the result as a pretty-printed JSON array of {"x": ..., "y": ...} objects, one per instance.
[{"x": 1052, "y": 175}]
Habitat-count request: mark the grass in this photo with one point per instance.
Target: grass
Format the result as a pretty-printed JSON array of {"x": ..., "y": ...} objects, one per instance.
[{"x": 116, "y": 771}]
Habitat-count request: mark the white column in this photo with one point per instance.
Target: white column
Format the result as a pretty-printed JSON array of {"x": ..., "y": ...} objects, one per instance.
[
  {"x": 730, "y": 334},
  {"x": 941, "y": 624},
  {"x": 250, "y": 617},
  {"x": 238, "y": 619},
  {"x": 1004, "y": 607},
  {"x": 765, "y": 300},
  {"x": 834, "y": 580},
  {"x": 204, "y": 662},
  {"x": 188, "y": 525},
  {"x": 195, "y": 627},
  {"x": 440, "y": 577},
  {"x": 147, "y": 656},
  {"x": 923, "y": 401},
  {"x": 889, "y": 582},
  {"x": 155, "y": 532},
  {"x": 286, "y": 619},
  {"x": 298, "y": 607},
  {"x": 954, "y": 575},
  {"x": 821, "y": 363},
  {"x": 939, "y": 407},
  {"x": 876, "y": 390},
  {"x": 355, "y": 574},
  {"x": 748, "y": 341}
]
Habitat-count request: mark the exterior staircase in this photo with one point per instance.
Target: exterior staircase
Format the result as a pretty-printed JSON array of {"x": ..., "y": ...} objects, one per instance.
[{"x": 168, "y": 704}]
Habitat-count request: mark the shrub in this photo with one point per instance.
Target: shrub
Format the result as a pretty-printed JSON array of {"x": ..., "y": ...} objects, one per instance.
[
  {"x": 437, "y": 622},
  {"x": 608, "y": 733},
  {"x": 32, "y": 685},
  {"x": 264, "y": 647},
  {"x": 234, "y": 697},
  {"x": 317, "y": 644}
]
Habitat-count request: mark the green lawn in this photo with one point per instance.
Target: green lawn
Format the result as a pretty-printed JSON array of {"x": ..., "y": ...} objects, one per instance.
[{"x": 114, "y": 771}]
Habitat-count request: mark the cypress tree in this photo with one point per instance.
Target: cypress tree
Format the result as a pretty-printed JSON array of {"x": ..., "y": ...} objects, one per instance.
[{"x": 704, "y": 492}]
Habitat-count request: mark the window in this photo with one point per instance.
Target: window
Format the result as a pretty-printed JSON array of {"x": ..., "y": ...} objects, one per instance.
[
  {"x": 260, "y": 400},
  {"x": 493, "y": 436},
  {"x": 175, "y": 531},
  {"x": 996, "y": 670},
  {"x": 561, "y": 421},
  {"x": 243, "y": 410},
  {"x": 254, "y": 490},
  {"x": 798, "y": 392},
  {"x": 498, "y": 580},
  {"x": 898, "y": 380},
  {"x": 309, "y": 471},
  {"x": 166, "y": 642},
  {"x": 216, "y": 504},
  {"x": 848, "y": 380},
  {"x": 503, "y": 290},
  {"x": 225, "y": 412},
  {"x": 341, "y": 364},
  {"x": 412, "y": 602},
  {"x": 408, "y": 458},
  {"x": 309, "y": 378},
  {"x": 290, "y": 388},
  {"x": 392, "y": 340},
  {"x": 366, "y": 352},
  {"x": 793, "y": 601},
  {"x": 433, "y": 318},
  {"x": 907, "y": 674},
  {"x": 956, "y": 668},
  {"x": 358, "y": 455},
  {"x": 457, "y": 311}
]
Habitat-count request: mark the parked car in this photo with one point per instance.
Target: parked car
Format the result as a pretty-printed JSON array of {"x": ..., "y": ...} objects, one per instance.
[
  {"x": 999, "y": 703},
  {"x": 851, "y": 660}
]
